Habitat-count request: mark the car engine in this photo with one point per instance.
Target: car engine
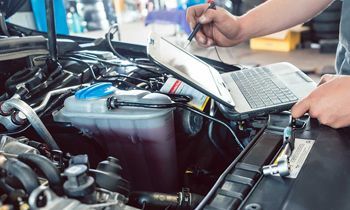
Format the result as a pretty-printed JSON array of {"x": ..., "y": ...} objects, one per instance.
[{"x": 93, "y": 128}]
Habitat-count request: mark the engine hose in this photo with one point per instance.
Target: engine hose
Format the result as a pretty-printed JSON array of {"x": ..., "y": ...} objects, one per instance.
[
  {"x": 163, "y": 200},
  {"x": 32, "y": 117},
  {"x": 46, "y": 167},
  {"x": 23, "y": 173},
  {"x": 5, "y": 187}
]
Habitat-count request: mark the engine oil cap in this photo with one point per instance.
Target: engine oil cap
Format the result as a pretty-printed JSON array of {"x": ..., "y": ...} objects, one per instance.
[{"x": 95, "y": 91}]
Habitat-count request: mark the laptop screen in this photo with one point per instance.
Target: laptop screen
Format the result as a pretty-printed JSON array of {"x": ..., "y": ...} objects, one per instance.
[{"x": 189, "y": 68}]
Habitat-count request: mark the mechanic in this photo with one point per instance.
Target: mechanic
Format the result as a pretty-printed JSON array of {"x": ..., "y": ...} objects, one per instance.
[{"x": 330, "y": 101}]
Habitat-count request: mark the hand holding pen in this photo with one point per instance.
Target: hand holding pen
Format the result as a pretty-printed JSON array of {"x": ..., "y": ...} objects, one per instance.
[
  {"x": 198, "y": 26},
  {"x": 212, "y": 25}
]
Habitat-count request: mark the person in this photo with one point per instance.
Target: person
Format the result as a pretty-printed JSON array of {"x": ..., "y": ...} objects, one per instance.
[{"x": 330, "y": 101}]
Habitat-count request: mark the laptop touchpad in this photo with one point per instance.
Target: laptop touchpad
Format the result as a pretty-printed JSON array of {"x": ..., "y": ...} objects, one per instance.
[{"x": 293, "y": 78}]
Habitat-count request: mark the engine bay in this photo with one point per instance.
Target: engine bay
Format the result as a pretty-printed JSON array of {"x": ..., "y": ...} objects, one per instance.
[{"x": 95, "y": 130}]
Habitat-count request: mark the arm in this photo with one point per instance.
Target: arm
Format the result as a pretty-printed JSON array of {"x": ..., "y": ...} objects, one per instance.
[
  {"x": 276, "y": 15},
  {"x": 223, "y": 29}
]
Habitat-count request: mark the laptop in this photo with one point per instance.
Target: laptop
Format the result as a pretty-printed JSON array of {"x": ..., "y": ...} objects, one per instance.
[{"x": 240, "y": 94}]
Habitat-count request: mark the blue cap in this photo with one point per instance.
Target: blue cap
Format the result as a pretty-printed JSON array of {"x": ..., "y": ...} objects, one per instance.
[{"x": 95, "y": 91}]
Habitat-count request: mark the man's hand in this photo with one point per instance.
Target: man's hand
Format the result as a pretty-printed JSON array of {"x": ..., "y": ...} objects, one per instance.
[
  {"x": 224, "y": 29},
  {"x": 219, "y": 26},
  {"x": 329, "y": 102}
]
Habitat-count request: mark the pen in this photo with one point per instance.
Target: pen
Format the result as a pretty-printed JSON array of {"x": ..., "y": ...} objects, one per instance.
[{"x": 199, "y": 25}]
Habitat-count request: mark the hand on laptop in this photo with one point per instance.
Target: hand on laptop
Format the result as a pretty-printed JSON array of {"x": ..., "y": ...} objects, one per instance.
[
  {"x": 219, "y": 26},
  {"x": 326, "y": 78},
  {"x": 329, "y": 102}
]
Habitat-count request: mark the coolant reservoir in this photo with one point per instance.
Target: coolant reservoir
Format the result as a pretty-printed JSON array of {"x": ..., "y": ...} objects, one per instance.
[{"x": 143, "y": 139}]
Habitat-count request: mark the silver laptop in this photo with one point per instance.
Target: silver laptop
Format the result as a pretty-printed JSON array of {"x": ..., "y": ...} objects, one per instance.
[{"x": 240, "y": 94}]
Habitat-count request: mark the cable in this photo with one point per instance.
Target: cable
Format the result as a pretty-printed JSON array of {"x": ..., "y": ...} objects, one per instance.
[
  {"x": 127, "y": 77},
  {"x": 106, "y": 77},
  {"x": 216, "y": 49},
  {"x": 93, "y": 72},
  {"x": 217, "y": 54},
  {"x": 140, "y": 63},
  {"x": 210, "y": 130},
  {"x": 95, "y": 58},
  {"x": 144, "y": 66},
  {"x": 113, "y": 103},
  {"x": 109, "y": 36},
  {"x": 82, "y": 62}
]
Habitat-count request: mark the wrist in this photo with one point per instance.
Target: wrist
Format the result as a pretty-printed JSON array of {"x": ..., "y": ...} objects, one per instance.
[{"x": 242, "y": 30}]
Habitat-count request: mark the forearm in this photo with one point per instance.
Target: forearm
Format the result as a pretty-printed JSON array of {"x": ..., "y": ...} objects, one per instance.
[{"x": 276, "y": 15}]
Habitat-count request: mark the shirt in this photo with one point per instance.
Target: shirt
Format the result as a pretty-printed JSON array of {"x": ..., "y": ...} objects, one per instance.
[{"x": 342, "y": 63}]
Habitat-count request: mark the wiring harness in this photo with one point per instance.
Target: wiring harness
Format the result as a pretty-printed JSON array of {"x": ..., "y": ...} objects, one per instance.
[{"x": 114, "y": 103}]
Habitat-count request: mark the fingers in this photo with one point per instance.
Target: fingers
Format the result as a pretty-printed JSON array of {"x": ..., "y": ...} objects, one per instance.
[
  {"x": 326, "y": 78},
  {"x": 192, "y": 16},
  {"x": 193, "y": 13},
  {"x": 201, "y": 38},
  {"x": 209, "y": 16},
  {"x": 300, "y": 108},
  {"x": 205, "y": 38}
]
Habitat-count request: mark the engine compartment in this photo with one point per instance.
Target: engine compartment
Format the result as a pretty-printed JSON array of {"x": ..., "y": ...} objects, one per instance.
[{"x": 94, "y": 131}]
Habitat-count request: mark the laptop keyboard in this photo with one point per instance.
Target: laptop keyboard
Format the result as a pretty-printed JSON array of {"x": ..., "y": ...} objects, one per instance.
[{"x": 261, "y": 88}]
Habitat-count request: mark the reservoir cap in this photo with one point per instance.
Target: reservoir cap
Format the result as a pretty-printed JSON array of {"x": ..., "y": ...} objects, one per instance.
[{"x": 95, "y": 91}]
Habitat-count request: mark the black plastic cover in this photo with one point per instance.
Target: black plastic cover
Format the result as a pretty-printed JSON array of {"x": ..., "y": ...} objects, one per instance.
[{"x": 323, "y": 182}]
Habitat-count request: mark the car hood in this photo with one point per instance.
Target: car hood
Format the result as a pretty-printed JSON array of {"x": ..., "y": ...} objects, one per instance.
[{"x": 10, "y": 7}]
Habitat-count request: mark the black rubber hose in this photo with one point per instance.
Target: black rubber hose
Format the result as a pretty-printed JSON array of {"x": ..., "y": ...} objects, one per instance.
[
  {"x": 46, "y": 167},
  {"x": 23, "y": 173},
  {"x": 5, "y": 188},
  {"x": 155, "y": 200},
  {"x": 151, "y": 199}
]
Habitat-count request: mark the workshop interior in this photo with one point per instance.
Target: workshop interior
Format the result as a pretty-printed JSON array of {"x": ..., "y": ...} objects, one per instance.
[{"x": 106, "y": 104}]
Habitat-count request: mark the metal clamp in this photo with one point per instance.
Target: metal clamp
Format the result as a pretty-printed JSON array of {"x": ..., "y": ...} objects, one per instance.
[{"x": 282, "y": 167}]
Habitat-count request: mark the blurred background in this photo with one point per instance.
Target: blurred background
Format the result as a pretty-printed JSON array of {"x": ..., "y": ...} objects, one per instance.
[{"x": 311, "y": 46}]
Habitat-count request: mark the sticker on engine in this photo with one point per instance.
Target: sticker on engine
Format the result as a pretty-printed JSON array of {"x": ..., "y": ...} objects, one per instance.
[
  {"x": 174, "y": 86},
  {"x": 302, "y": 148}
]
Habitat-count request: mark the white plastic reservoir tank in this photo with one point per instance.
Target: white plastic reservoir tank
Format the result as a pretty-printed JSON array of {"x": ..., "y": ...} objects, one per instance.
[{"x": 143, "y": 139}]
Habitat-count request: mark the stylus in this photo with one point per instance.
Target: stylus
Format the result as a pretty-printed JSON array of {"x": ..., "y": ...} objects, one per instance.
[{"x": 198, "y": 25}]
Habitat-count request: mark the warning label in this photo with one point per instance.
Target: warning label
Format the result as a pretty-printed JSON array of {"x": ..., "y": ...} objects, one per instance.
[
  {"x": 174, "y": 86},
  {"x": 301, "y": 150}
]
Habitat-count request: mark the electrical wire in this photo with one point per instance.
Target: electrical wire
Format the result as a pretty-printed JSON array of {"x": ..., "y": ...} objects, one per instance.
[
  {"x": 96, "y": 79},
  {"x": 210, "y": 130},
  {"x": 126, "y": 77},
  {"x": 113, "y": 103},
  {"x": 104, "y": 76},
  {"x": 109, "y": 37},
  {"x": 95, "y": 58},
  {"x": 218, "y": 55},
  {"x": 216, "y": 49},
  {"x": 81, "y": 62},
  {"x": 101, "y": 62},
  {"x": 144, "y": 66}
]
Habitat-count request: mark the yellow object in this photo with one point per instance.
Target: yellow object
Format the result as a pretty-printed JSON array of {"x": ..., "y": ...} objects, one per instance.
[
  {"x": 283, "y": 41},
  {"x": 24, "y": 206},
  {"x": 119, "y": 6}
]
